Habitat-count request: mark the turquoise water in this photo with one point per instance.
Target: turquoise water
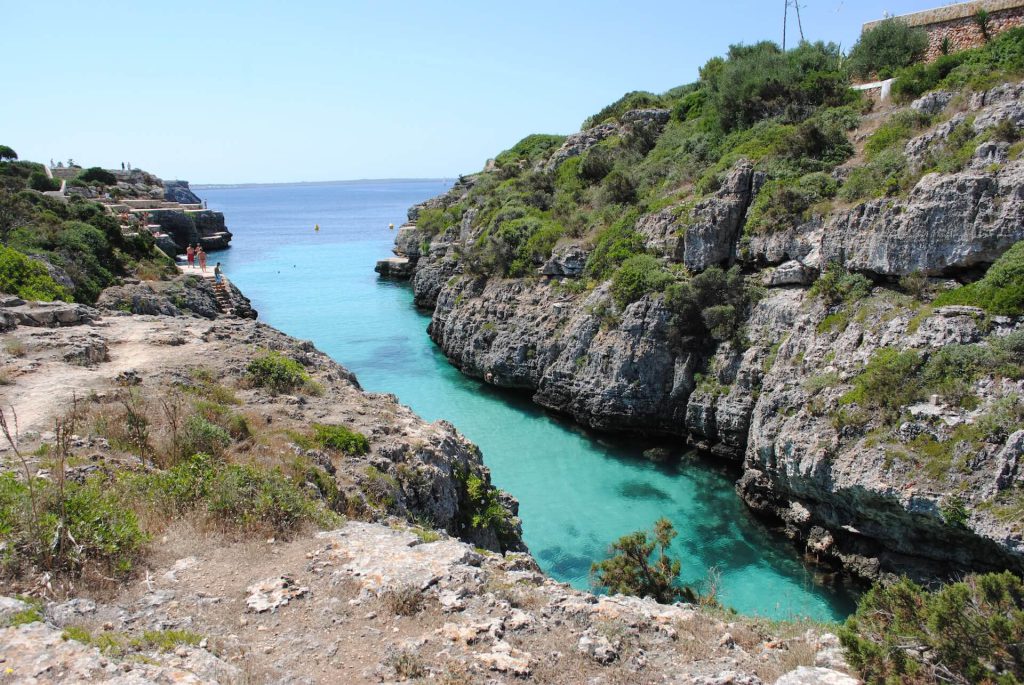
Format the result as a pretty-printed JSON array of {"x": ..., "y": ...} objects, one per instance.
[{"x": 578, "y": 492}]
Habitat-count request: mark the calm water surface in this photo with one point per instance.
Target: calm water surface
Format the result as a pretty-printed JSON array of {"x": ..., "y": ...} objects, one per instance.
[{"x": 578, "y": 492}]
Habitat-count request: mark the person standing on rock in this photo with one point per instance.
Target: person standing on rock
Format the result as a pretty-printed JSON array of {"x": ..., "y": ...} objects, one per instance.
[
  {"x": 217, "y": 273},
  {"x": 202, "y": 258},
  {"x": 190, "y": 255}
]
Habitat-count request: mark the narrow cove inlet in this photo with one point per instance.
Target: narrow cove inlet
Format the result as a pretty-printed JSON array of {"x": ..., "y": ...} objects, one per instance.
[{"x": 578, "y": 491}]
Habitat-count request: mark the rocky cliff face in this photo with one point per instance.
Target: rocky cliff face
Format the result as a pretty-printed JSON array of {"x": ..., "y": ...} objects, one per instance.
[{"x": 861, "y": 496}]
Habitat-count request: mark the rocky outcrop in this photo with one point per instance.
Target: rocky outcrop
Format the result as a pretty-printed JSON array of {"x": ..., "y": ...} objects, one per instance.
[
  {"x": 948, "y": 223},
  {"x": 853, "y": 497},
  {"x": 182, "y": 295},
  {"x": 192, "y": 227},
  {"x": 578, "y": 143},
  {"x": 714, "y": 226},
  {"x": 178, "y": 191}
]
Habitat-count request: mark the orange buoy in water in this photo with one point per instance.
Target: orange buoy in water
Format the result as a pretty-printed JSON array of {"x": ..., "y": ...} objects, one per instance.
[{"x": 391, "y": 227}]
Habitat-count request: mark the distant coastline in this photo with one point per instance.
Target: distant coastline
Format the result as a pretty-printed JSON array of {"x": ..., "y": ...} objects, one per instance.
[{"x": 202, "y": 186}]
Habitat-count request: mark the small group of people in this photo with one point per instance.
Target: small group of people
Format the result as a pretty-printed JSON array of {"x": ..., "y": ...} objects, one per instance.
[{"x": 196, "y": 255}]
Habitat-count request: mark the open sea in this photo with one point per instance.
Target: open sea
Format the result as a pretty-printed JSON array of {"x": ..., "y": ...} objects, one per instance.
[{"x": 578, "y": 491}]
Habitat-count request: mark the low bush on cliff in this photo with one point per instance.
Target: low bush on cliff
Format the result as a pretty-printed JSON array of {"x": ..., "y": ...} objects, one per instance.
[
  {"x": 235, "y": 497},
  {"x": 638, "y": 276},
  {"x": 28, "y": 278},
  {"x": 785, "y": 203},
  {"x": 278, "y": 373},
  {"x": 713, "y": 304},
  {"x": 966, "y": 632},
  {"x": 529, "y": 150},
  {"x": 1000, "y": 291},
  {"x": 335, "y": 437},
  {"x": 883, "y": 49},
  {"x": 67, "y": 528}
]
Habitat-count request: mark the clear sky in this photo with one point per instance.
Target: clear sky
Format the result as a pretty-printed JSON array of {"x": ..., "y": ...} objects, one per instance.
[{"x": 226, "y": 91}]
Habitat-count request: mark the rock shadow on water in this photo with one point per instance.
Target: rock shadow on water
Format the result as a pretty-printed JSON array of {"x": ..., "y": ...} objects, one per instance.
[
  {"x": 640, "y": 490},
  {"x": 561, "y": 564}
]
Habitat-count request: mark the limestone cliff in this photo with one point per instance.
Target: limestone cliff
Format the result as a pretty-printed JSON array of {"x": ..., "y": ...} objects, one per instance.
[{"x": 870, "y": 493}]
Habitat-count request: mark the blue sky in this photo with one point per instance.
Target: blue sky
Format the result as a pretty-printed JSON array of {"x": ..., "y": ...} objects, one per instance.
[{"x": 226, "y": 91}]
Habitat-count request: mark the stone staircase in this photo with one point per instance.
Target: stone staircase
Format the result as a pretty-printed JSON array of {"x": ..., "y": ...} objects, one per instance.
[{"x": 224, "y": 302}]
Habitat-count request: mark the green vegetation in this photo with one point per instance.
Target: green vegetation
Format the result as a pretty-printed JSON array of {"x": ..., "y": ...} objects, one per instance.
[
  {"x": 278, "y": 373},
  {"x": 78, "y": 239},
  {"x": 713, "y": 304},
  {"x": 1000, "y": 291},
  {"x": 630, "y": 569},
  {"x": 837, "y": 286},
  {"x": 67, "y": 528},
  {"x": 98, "y": 175},
  {"x": 235, "y": 497},
  {"x": 966, "y": 632},
  {"x": 7, "y": 154},
  {"x": 891, "y": 45},
  {"x": 335, "y": 437},
  {"x": 639, "y": 275},
  {"x": 529, "y": 150},
  {"x": 784, "y": 203},
  {"x": 119, "y": 644},
  {"x": 999, "y": 60},
  {"x": 38, "y": 180},
  {"x": 28, "y": 278}
]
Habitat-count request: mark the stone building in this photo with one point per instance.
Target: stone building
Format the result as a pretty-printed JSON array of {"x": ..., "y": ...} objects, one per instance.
[{"x": 957, "y": 24}]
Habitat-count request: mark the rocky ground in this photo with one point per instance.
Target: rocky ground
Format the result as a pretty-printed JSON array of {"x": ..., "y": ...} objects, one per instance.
[
  {"x": 370, "y": 603},
  {"x": 384, "y": 597}
]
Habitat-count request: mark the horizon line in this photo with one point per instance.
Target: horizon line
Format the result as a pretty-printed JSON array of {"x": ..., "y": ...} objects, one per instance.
[{"x": 317, "y": 183}]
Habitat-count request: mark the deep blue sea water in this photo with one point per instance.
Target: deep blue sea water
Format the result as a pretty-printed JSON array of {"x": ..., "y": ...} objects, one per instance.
[{"x": 578, "y": 491}]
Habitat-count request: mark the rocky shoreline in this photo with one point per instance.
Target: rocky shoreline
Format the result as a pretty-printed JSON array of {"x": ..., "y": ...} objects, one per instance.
[{"x": 776, "y": 405}]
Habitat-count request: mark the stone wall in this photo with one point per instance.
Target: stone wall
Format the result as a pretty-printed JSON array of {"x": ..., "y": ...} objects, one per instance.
[{"x": 957, "y": 23}]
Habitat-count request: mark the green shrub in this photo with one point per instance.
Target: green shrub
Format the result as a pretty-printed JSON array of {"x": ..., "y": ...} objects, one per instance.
[
  {"x": 785, "y": 203},
  {"x": 631, "y": 571},
  {"x": 966, "y": 632},
  {"x": 884, "y": 174},
  {"x": 97, "y": 174},
  {"x": 900, "y": 128},
  {"x": 7, "y": 154},
  {"x": 638, "y": 276},
  {"x": 836, "y": 285},
  {"x": 596, "y": 163},
  {"x": 619, "y": 187},
  {"x": 199, "y": 435},
  {"x": 38, "y": 180},
  {"x": 276, "y": 372},
  {"x": 341, "y": 438},
  {"x": 1000, "y": 291},
  {"x": 883, "y": 49},
  {"x": 435, "y": 221},
  {"x": 714, "y": 304},
  {"x": 761, "y": 81},
  {"x": 530, "y": 149},
  {"x": 28, "y": 278},
  {"x": 613, "y": 246},
  {"x": 68, "y": 530},
  {"x": 888, "y": 383}
]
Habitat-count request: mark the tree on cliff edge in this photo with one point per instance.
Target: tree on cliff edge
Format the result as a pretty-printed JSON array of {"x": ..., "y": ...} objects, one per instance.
[
  {"x": 632, "y": 571},
  {"x": 7, "y": 154}
]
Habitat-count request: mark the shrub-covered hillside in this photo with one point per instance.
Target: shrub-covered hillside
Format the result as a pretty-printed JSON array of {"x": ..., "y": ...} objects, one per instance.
[
  {"x": 56, "y": 250},
  {"x": 812, "y": 140}
]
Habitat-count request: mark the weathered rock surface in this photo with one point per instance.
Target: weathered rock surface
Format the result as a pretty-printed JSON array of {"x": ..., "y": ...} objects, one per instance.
[{"x": 374, "y": 608}]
